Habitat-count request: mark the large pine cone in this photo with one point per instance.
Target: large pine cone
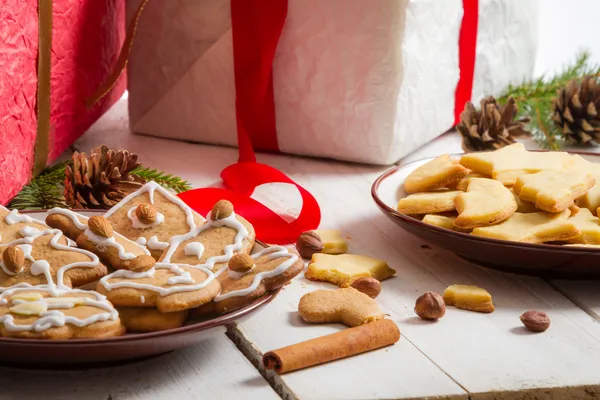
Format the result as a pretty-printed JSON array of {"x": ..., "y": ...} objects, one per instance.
[
  {"x": 492, "y": 126},
  {"x": 101, "y": 179},
  {"x": 575, "y": 110}
]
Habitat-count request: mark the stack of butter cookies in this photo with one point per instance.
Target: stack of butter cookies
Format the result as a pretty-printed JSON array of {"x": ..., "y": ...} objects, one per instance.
[
  {"x": 509, "y": 194},
  {"x": 145, "y": 265}
]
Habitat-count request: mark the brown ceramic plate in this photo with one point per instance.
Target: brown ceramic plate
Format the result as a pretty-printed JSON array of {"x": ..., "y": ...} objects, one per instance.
[
  {"x": 95, "y": 352},
  {"x": 533, "y": 259}
]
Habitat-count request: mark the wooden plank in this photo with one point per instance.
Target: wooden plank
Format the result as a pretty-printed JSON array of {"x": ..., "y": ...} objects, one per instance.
[{"x": 213, "y": 369}]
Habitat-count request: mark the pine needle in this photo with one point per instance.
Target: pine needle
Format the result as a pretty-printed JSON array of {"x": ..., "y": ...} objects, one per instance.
[
  {"x": 40, "y": 193},
  {"x": 168, "y": 181},
  {"x": 535, "y": 99}
]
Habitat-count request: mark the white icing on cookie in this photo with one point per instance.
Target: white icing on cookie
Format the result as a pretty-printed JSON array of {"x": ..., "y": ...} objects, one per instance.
[
  {"x": 273, "y": 253},
  {"x": 102, "y": 242},
  {"x": 229, "y": 250},
  {"x": 141, "y": 241},
  {"x": 137, "y": 224},
  {"x": 14, "y": 217},
  {"x": 194, "y": 249},
  {"x": 181, "y": 277},
  {"x": 74, "y": 217},
  {"x": 155, "y": 244},
  {"x": 142, "y": 299}
]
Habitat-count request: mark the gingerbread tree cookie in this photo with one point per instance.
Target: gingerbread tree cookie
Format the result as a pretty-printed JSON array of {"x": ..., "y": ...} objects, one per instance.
[
  {"x": 510, "y": 162},
  {"x": 553, "y": 191},
  {"x": 486, "y": 202},
  {"x": 151, "y": 215},
  {"x": 249, "y": 277},
  {"x": 212, "y": 245}
]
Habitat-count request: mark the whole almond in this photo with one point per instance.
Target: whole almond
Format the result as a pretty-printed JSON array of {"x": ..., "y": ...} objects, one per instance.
[
  {"x": 535, "y": 321},
  {"x": 221, "y": 209},
  {"x": 241, "y": 263},
  {"x": 430, "y": 306},
  {"x": 146, "y": 213},
  {"x": 141, "y": 263},
  {"x": 100, "y": 226},
  {"x": 309, "y": 243},
  {"x": 367, "y": 285},
  {"x": 14, "y": 259}
]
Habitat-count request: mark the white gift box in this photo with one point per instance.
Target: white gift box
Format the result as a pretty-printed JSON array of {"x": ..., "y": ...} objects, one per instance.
[{"x": 357, "y": 80}]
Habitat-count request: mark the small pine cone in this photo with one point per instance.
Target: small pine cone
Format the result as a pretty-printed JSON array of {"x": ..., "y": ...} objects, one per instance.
[
  {"x": 101, "y": 179},
  {"x": 492, "y": 126},
  {"x": 575, "y": 111}
]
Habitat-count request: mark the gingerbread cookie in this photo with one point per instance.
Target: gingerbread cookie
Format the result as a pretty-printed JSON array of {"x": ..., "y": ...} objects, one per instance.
[
  {"x": 151, "y": 216},
  {"x": 589, "y": 225},
  {"x": 96, "y": 234},
  {"x": 168, "y": 287},
  {"x": 212, "y": 244},
  {"x": 428, "y": 203},
  {"x": 485, "y": 203},
  {"x": 553, "y": 191},
  {"x": 510, "y": 162},
  {"x": 342, "y": 269},
  {"x": 437, "y": 173},
  {"x": 249, "y": 277},
  {"x": 537, "y": 227},
  {"x": 149, "y": 319},
  {"x": 347, "y": 306}
]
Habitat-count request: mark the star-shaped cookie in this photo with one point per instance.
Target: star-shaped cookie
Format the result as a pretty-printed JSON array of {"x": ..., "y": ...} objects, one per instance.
[{"x": 589, "y": 225}]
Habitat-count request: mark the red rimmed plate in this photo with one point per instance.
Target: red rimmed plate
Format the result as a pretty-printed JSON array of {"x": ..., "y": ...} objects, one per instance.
[
  {"x": 545, "y": 260},
  {"x": 95, "y": 352}
]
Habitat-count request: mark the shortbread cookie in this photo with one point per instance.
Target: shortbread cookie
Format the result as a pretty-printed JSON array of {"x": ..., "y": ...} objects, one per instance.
[
  {"x": 36, "y": 313},
  {"x": 248, "y": 278},
  {"x": 342, "y": 269},
  {"x": 212, "y": 244},
  {"x": 590, "y": 200},
  {"x": 437, "y": 173},
  {"x": 486, "y": 202},
  {"x": 524, "y": 206},
  {"x": 510, "y": 162},
  {"x": 38, "y": 253},
  {"x": 471, "y": 298},
  {"x": 589, "y": 226},
  {"x": 333, "y": 241},
  {"x": 537, "y": 227},
  {"x": 149, "y": 319},
  {"x": 428, "y": 203},
  {"x": 151, "y": 215},
  {"x": 463, "y": 183},
  {"x": 553, "y": 191},
  {"x": 113, "y": 249},
  {"x": 347, "y": 306},
  {"x": 168, "y": 287},
  {"x": 443, "y": 221},
  {"x": 589, "y": 246}
]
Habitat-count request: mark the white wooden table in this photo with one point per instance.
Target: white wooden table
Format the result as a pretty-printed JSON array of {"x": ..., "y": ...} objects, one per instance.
[{"x": 464, "y": 355}]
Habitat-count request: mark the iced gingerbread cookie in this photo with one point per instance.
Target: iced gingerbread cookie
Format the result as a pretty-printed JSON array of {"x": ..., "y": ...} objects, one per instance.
[
  {"x": 428, "y": 203},
  {"x": 151, "y": 215},
  {"x": 437, "y": 173},
  {"x": 146, "y": 319},
  {"x": 342, "y": 269},
  {"x": 168, "y": 287},
  {"x": 212, "y": 244},
  {"x": 510, "y": 162},
  {"x": 553, "y": 191},
  {"x": 589, "y": 225},
  {"x": 486, "y": 202},
  {"x": 96, "y": 235},
  {"x": 347, "y": 306},
  {"x": 249, "y": 277},
  {"x": 27, "y": 246},
  {"x": 537, "y": 227}
]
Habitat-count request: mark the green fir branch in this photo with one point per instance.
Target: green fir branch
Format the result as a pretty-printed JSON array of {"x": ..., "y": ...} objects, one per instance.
[
  {"x": 43, "y": 192},
  {"x": 168, "y": 181},
  {"x": 535, "y": 96}
]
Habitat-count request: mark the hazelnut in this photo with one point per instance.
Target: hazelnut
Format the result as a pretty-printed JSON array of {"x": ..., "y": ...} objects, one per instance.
[
  {"x": 100, "y": 226},
  {"x": 309, "y": 243},
  {"x": 535, "y": 321},
  {"x": 367, "y": 285},
  {"x": 241, "y": 263},
  {"x": 14, "y": 259},
  {"x": 146, "y": 213},
  {"x": 430, "y": 306},
  {"x": 141, "y": 263},
  {"x": 222, "y": 209}
]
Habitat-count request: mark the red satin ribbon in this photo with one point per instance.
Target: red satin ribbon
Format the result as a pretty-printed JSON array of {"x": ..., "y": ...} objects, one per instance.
[
  {"x": 467, "y": 46},
  {"x": 256, "y": 28}
]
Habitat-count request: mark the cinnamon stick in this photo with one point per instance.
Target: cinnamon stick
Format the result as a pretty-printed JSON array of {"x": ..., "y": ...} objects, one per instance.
[{"x": 346, "y": 343}]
